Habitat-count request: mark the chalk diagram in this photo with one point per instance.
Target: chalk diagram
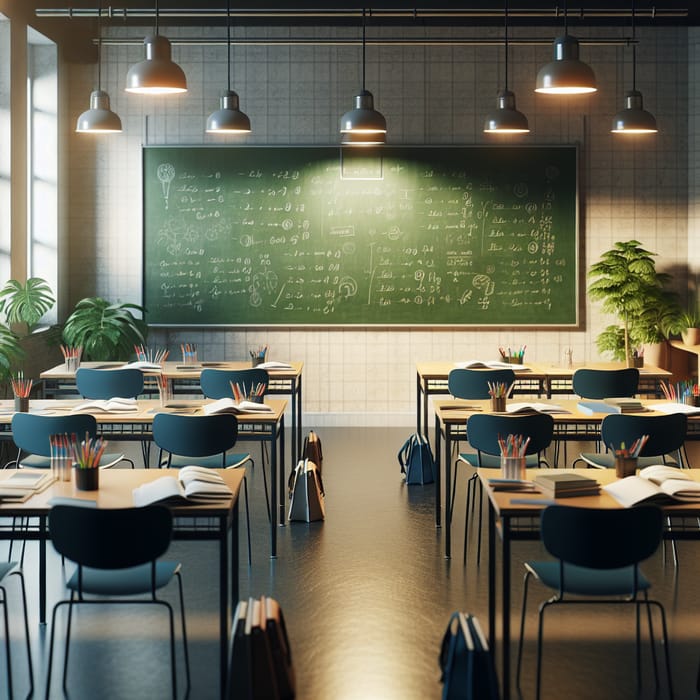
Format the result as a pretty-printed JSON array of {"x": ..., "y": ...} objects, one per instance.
[
  {"x": 483, "y": 284},
  {"x": 171, "y": 235},
  {"x": 263, "y": 283},
  {"x": 166, "y": 174}
]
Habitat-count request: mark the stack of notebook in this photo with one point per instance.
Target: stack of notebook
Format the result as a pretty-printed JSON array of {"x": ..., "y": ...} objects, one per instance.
[{"x": 560, "y": 484}]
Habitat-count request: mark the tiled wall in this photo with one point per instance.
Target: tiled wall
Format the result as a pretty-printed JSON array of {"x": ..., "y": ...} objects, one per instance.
[{"x": 635, "y": 187}]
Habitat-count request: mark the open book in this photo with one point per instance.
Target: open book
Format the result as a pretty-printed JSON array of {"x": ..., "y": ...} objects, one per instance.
[
  {"x": 612, "y": 406},
  {"x": 143, "y": 365},
  {"x": 658, "y": 483},
  {"x": 490, "y": 364},
  {"x": 191, "y": 485},
  {"x": 272, "y": 364},
  {"x": 115, "y": 405},
  {"x": 228, "y": 405},
  {"x": 673, "y": 407},
  {"x": 529, "y": 406}
]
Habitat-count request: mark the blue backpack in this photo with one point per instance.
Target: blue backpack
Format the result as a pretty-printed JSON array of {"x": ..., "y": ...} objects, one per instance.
[{"x": 416, "y": 460}]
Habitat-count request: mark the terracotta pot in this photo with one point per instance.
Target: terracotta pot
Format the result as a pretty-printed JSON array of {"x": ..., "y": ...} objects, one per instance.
[{"x": 691, "y": 336}]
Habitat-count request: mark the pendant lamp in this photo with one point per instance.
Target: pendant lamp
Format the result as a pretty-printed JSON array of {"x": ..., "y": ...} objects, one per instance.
[
  {"x": 566, "y": 74},
  {"x": 99, "y": 119},
  {"x": 157, "y": 75},
  {"x": 363, "y": 125},
  {"x": 506, "y": 119},
  {"x": 634, "y": 119},
  {"x": 228, "y": 119}
]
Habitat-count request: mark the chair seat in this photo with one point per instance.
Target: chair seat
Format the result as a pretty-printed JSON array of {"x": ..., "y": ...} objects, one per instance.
[
  {"x": 494, "y": 462},
  {"x": 212, "y": 461},
  {"x": 39, "y": 462},
  {"x": 117, "y": 582},
  {"x": 606, "y": 460},
  {"x": 581, "y": 580}
]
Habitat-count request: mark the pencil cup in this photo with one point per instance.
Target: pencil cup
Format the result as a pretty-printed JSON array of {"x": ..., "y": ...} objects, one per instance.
[
  {"x": 87, "y": 479},
  {"x": 21, "y": 404},
  {"x": 72, "y": 364},
  {"x": 513, "y": 467},
  {"x": 692, "y": 401},
  {"x": 498, "y": 404},
  {"x": 515, "y": 359},
  {"x": 625, "y": 466},
  {"x": 165, "y": 393},
  {"x": 637, "y": 362}
]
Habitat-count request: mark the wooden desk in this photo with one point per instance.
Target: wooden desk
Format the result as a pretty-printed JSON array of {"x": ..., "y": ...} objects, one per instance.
[
  {"x": 59, "y": 382},
  {"x": 540, "y": 380},
  {"x": 116, "y": 486},
  {"x": 450, "y": 426},
  {"x": 521, "y": 522},
  {"x": 267, "y": 427}
]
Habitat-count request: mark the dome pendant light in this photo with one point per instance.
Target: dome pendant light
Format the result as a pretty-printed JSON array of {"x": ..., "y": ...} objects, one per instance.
[
  {"x": 506, "y": 119},
  {"x": 634, "y": 119},
  {"x": 363, "y": 125},
  {"x": 566, "y": 74},
  {"x": 158, "y": 74},
  {"x": 99, "y": 119},
  {"x": 228, "y": 119}
]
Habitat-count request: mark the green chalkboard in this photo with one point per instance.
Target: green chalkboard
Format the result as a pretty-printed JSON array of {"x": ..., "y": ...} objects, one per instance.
[{"x": 406, "y": 236}]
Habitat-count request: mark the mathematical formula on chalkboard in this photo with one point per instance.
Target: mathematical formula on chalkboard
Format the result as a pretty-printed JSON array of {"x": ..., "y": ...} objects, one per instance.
[{"x": 409, "y": 236}]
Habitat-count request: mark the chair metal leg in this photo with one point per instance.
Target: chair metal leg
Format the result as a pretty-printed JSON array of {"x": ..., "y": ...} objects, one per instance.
[
  {"x": 653, "y": 647},
  {"x": 184, "y": 634},
  {"x": 68, "y": 627},
  {"x": 8, "y": 660},
  {"x": 664, "y": 639},
  {"x": 471, "y": 494},
  {"x": 540, "y": 629},
  {"x": 247, "y": 519},
  {"x": 23, "y": 591},
  {"x": 526, "y": 581}
]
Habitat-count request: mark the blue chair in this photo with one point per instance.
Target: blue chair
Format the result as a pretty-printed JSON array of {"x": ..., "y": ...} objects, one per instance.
[
  {"x": 119, "y": 560},
  {"x": 483, "y": 432},
  {"x": 217, "y": 384},
  {"x": 473, "y": 384},
  {"x": 204, "y": 441},
  {"x": 605, "y": 383},
  {"x": 31, "y": 434},
  {"x": 7, "y": 569},
  {"x": 109, "y": 383},
  {"x": 124, "y": 382},
  {"x": 598, "y": 552}
]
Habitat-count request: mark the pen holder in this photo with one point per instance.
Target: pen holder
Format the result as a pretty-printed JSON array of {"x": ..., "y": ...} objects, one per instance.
[
  {"x": 257, "y": 398},
  {"x": 637, "y": 362},
  {"x": 625, "y": 466},
  {"x": 165, "y": 393},
  {"x": 513, "y": 467},
  {"x": 21, "y": 404},
  {"x": 255, "y": 361},
  {"x": 72, "y": 364},
  {"x": 87, "y": 479},
  {"x": 692, "y": 401},
  {"x": 498, "y": 404},
  {"x": 189, "y": 357},
  {"x": 514, "y": 359}
]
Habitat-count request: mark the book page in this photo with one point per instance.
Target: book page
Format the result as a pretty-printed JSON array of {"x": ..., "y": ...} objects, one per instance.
[
  {"x": 633, "y": 490},
  {"x": 534, "y": 406},
  {"x": 163, "y": 490}
]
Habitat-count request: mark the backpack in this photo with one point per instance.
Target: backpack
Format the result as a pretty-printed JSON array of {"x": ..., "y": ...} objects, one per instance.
[
  {"x": 312, "y": 450},
  {"x": 306, "y": 493},
  {"x": 468, "y": 671},
  {"x": 416, "y": 460}
]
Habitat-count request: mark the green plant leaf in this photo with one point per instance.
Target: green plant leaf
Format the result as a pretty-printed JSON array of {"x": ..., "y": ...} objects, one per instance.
[{"x": 26, "y": 303}]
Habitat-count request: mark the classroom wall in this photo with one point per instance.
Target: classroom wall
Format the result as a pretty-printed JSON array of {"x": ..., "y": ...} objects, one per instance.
[{"x": 638, "y": 187}]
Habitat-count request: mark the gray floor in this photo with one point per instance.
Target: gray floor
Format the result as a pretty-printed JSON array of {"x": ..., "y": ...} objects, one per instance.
[{"x": 366, "y": 595}]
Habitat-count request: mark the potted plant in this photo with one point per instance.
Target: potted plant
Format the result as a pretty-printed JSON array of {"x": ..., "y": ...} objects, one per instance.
[
  {"x": 689, "y": 327},
  {"x": 625, "y": 279},
  {"x": 104, "y": 330},
  {"x": 24, "y": 305}
]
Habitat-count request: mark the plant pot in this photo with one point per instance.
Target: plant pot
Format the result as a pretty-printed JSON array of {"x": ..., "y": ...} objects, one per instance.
[
  {"x": 691, "y": 336},
  {"x": 87, "y": 479}
]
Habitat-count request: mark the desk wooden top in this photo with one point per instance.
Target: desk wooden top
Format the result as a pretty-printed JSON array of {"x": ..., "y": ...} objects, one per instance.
[
  {"x": 538, "y": 370},
  {"x": 115, "y": 491},
  {"x": 456, "y": 411},
  {"x": 147, "y": 408},
  {"x": 502, "y": 500},
  {"x": 175, "y": 370}
]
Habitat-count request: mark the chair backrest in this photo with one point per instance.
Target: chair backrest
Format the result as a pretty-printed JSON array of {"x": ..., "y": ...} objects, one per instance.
[
  {"x": 30, "y": 432},
  {"x": 605, "y": 383},
  {"x": 195, "y": 436},
  {"x": 484, "y": 429},
  {"x": 601, "y": 538},
  {"x": 474, "y": 383},
  {"x": 216, "y": 383},
  {"x": 666, "y": 432},
  {"x": 116, "y": 538},
  {"x": 107, "y": 383}
]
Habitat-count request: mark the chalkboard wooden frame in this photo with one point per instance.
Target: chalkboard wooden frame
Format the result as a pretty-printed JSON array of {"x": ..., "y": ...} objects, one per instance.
[{"x": 423, "y": 238}]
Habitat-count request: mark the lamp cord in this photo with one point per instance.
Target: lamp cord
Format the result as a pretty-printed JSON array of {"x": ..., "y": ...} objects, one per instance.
[
  {"x": 505, "y": 15},
  {"x": 99, "y": 45},
  {"x": 634, "y": 53},
  {"x": 363, "y": 49},
  {"x": 156, "y": 17},
  {"x": 228, "y": 42}
]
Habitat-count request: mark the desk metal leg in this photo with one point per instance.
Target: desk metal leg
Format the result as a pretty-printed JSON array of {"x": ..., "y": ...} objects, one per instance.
[
  {"x": 277, "y": 483},
  {"x": 505, "y": 566},
  {"x": 448, "y": 492},
  {"x": 280, "y": 471},
  {"x": 492, "y": 580},
  {"x": 438, "y": 486},
  {"x": 419, "y": 391},
  {"x": 224, "y": 613},
  {"x": 43, "y": 534},
  {"x": 299, "y": 423}
]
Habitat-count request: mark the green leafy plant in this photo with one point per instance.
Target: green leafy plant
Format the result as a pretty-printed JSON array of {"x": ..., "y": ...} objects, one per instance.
[
  {"x": 10, "y": 352},
  {"x": 104, "y": 330},
  {"x": 626, "y": 281},
  {"x": 26, "y": 303}
]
